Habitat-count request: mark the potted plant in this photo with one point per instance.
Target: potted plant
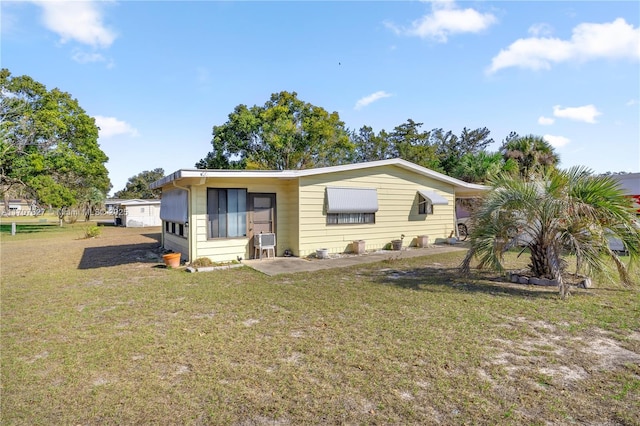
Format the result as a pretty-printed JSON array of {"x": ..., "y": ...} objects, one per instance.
[
  {"x": 397, "y": 244},
  {"x": 322, "y": 253},
  {"x": 171, "y": 260},
  {"x": 358, "y": 247}
]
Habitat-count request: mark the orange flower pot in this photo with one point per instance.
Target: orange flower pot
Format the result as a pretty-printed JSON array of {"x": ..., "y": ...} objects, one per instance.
[{"x": 172, "y": 260}]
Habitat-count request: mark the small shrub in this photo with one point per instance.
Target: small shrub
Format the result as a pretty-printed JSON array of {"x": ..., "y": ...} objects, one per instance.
[
  {"x": 71, "y": 219},
  {"x": 92, "y": 231},
  {"x": 202, "y": 262}
]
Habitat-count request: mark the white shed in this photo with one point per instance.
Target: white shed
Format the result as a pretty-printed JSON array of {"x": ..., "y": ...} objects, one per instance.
[
  {"x": 139, "y": 213},
  {"x": 630, "y": 184}
]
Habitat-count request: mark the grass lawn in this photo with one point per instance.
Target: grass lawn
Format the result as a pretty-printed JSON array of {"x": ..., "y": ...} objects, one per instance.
[{"x": 94, "y": 332}]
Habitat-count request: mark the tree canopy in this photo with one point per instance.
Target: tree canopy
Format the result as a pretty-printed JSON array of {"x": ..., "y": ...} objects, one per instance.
[
  {"x": 288, "y": 133},
  {"x": 532, "y": 154},
  {"x": 48, "y": 144},
  {"x": 138, "y": 186},
  {"x": 284, "y": 133}
]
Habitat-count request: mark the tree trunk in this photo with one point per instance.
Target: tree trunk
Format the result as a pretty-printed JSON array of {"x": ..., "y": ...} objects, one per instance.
[
  {"x": 554, "y": 263},
  {"x": 563, "y": 287},
  {"x": 540, "y": 266}
]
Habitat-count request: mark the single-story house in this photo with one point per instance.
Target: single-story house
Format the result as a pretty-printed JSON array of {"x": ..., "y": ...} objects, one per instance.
[
  {"x": 216, "y": 213},
  {"x": 111, "y": 205},
  {"x": 137, "y": 213},
  {"x": 17, "y": 207}
]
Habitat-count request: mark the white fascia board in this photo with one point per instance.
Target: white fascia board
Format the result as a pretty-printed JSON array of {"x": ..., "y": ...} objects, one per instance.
[
  {"x": 394, "y": 162},
  {"x": 290, "y": 174},
  {"x": 207, "y": 173},
  {"x": 138, "y": 202}
]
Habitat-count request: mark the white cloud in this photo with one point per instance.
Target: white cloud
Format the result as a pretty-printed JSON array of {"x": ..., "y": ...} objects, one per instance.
[
  {"x": 371, "y": 98},
  {"x": 444, "y": 20},
  {"x": 111, "y": 126},
  {"x": 540, "y": 29},
  {"x": 80, "y": 21},
  {"x": 556, "y": 141},
  {"x": 631, "y": 102},
  {"x": 586, "y": 113},
  {"x": 545, "y": 121},
  {"x": 83, "y": 57},
  {"x": 613, "y": 40}
]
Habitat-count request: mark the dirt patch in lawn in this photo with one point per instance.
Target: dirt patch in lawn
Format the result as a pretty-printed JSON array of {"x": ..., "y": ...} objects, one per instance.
[
  {"x": 561, "y": 355},
  {"x": 550, "y": 358}
]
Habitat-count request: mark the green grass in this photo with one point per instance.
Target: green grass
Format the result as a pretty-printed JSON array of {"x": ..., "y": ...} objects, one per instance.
[
  {"x": 405, "y": 341},
  {"x": 28, "y": 228}
]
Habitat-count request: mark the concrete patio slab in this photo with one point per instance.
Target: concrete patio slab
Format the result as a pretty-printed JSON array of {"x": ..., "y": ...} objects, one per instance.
[{"x": 289, "y": 265}]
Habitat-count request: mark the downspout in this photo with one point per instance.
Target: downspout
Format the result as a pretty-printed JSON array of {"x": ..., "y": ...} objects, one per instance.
[
  {"x": 455, "y": 215},
  {"x": 188, "y": 224}
]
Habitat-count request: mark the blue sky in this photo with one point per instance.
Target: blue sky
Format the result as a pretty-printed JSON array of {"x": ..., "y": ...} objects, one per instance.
[{"x": 157, "y": 76}]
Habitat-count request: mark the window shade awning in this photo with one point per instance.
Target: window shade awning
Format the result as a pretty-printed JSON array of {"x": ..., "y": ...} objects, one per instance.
[
  {"x": 436, "y": 200},
  {"x": 173, "y": 206},
  {"x": 352, "y": 200}
]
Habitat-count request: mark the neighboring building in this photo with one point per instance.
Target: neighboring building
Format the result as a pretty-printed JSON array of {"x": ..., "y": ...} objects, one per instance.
[
  {"x": 112, "y": 205},
  {"x": 18, "y": 207},
  {"x": 137, "y": 213},
  {"x": 216, "y": 213},
  {"x": 630, "y": 184}
]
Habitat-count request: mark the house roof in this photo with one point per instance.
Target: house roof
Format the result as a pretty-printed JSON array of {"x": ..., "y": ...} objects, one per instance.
[
  {"x": 629, "y": 183},
  {"x": 292, "y": 174},
  {"x": 137, "y": 202}
]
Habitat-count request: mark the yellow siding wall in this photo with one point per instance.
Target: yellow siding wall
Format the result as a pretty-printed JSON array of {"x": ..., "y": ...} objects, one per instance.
[
  {"x": 397, "y": 214},
  {"x": 224, "y": 250},
  {"x": 176, "y": 244}
]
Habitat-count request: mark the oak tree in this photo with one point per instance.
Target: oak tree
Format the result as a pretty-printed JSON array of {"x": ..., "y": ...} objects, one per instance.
[
  {"x": 284, "y": 133},
  {"x": 49, "y": 145},
  {"x": 138, "y": 186}
]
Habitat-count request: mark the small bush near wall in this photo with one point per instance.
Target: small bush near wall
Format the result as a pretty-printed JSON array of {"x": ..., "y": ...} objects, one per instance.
[
  {"x": 202, "y": 262},
  {"x": 92, "y": 231}
]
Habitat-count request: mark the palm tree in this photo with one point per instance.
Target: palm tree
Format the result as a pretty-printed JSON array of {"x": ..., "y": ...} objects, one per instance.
[
  {"x": 532, "y": 153},
  {"x": 559, "y": 213},
  {"x": 480, "y": 167}
]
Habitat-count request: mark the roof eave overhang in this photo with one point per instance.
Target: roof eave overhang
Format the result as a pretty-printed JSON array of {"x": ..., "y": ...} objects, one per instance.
[{"x": 459, "y": 185}]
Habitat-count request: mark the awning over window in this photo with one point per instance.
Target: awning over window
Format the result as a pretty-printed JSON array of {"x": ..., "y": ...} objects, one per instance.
[
  {"x": 352, "y": 200},
  {"x": 436, "y": 200},
  {"x": 173, "y": 206}
]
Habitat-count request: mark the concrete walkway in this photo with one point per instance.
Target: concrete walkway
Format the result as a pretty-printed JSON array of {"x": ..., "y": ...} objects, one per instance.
[{"x": 289, "y": 265}]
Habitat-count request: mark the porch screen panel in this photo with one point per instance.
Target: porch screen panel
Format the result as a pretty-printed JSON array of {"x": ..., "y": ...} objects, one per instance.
[{"x": 173, "y": 206}]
